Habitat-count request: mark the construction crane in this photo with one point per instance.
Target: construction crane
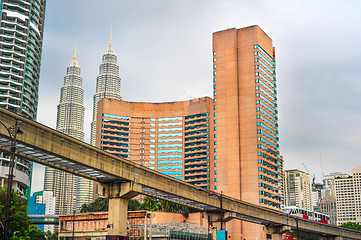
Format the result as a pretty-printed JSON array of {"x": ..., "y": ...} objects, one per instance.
[{"x": 308, "y": 171}]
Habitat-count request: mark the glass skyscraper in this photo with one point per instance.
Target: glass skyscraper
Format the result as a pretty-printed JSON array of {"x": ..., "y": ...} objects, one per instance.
[
  {"x": 69, "y": 190},
  {"x": 21, "y": 37},
  {"x": 108, "y": 84}
]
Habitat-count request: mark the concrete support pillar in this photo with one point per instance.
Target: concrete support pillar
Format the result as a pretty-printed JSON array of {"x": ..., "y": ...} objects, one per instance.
[
  {"x": 117, "y": 216},
  {"x": 275, "y": 233},
  {"x": 215, "y": 218},
  {"x": 118, "y": 193},
  {"x": 276, "y": 236},
  {"x": 337, "y": 238}
]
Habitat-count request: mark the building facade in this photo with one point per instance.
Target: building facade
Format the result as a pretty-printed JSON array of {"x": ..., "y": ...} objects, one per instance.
[
  {"x": 247, "y": 155},
  {"x": 298, "y": 189},
  {"x": 173, "y": 138},
  {"x": 348, "y": 197},
  {"x": 108, "y": 84},
  {"x": 228, "y": 143},
  {"x": 69, "y": 190},
  {"x": 327, "y": 205},
  {"x": 42, "y": 203},
  {"x": 329, "y": 181},
  {"x": 21, "y": 38},
  {"x": 318, "y": 193}
]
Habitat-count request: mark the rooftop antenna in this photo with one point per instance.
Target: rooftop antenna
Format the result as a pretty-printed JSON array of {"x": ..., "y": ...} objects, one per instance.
[
  {"x": 111, "y": 32},
  {"x": 75, "y": 45}
]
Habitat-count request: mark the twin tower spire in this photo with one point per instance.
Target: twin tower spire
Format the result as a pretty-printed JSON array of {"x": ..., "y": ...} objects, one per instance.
[{"x": 70, "y": 191}]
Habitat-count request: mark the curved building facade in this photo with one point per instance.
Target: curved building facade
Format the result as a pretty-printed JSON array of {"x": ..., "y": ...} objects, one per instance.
[
  {"x": 21, "y": 37},
  {"x": 229, "y": 143},
  {"x": 174, "y": 138}
]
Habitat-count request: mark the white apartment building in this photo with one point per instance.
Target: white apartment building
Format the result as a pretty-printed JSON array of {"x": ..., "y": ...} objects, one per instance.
[
  {"x": 298, "y": 189},
  {"x": 348, "y": 197},
  {"x": 329, "y": 181}
]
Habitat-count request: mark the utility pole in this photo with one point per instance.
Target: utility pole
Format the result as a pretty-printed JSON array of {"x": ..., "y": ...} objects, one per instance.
[{"x": 13, "y": 131}]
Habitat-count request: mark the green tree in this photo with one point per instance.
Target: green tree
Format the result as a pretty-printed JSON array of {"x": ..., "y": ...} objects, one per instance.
[
  {"x": 134, "y": 205},
  {"x": 150, "y": 204},
  {"x": 99, "y": 205},
  {"x": 18, "y": 217},
  {"x": 34, "y": 233},
  {"x": 352, "y": 225}
]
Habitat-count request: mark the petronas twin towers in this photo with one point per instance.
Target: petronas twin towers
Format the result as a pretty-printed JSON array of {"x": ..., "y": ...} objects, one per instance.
[{"x": 72, "y": 192}]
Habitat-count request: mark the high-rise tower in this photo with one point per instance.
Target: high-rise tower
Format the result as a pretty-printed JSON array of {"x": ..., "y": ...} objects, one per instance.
[
  {"x": 108, "y": 84},
  {"x": 21, "y": 38},
  {"x": 67, "y": 188},
  {"x": 298, "y": 189},
  {"x": 249, "y": 166}
]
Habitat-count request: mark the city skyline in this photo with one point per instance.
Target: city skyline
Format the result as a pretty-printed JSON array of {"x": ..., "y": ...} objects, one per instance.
[{"x": 317, "y": 108}]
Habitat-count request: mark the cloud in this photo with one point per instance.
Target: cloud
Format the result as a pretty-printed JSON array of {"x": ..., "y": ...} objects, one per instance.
[{"x": 164, "y": 54}]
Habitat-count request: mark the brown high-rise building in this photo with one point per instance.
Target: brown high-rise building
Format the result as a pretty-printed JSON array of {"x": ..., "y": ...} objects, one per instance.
[
  {"x": 228, "y": 144},
  {"x": 246, "y": 126}
]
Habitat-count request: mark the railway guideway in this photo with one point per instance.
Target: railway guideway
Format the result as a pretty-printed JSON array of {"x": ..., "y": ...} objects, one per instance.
[{"x": 121, "y": 180}]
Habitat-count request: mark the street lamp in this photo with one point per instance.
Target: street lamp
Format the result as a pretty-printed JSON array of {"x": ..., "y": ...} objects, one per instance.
[{"x": 13, "y": 131}]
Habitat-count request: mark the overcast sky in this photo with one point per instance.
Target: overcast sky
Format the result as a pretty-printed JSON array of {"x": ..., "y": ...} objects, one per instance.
[{"x": 164, "y": 51}]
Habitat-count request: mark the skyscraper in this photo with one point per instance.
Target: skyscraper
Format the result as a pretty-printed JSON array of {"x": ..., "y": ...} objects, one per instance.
[
  {"x": 298, "y": 189},
  {"x": 348, "y": 197},
  {"x": 67, "y": 188},
  {"x": 327, "y": 205},
  {"x": 231, "y": 143},
  {"x": 21, "y": 38},
  {"x": 108, "y": 84},
  {"x": 249, "y": 166},
  {"x": 329, "y": 181}
]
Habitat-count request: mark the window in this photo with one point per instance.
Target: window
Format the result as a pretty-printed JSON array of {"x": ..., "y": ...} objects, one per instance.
[{"x": 214, "y": 53}]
